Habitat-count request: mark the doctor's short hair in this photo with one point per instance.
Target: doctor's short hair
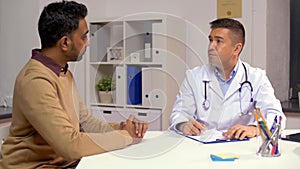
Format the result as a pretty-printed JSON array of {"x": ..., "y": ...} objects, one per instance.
[
  {"x": 235, "y": 26},
  {"x": 59, "y": 19}
]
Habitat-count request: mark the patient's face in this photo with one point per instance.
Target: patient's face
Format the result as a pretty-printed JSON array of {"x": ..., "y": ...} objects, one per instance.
[{"x": 79, "y": 42}]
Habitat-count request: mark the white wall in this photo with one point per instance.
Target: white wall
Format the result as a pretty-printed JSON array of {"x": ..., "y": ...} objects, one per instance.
[
  {"x": 278, "y": 46},
  {"x": 18, "y": 32},
  {"x": 198, "y": 14}
]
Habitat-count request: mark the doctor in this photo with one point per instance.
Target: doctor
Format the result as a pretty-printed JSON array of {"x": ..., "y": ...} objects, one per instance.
[{"x": 221, "y": 95}]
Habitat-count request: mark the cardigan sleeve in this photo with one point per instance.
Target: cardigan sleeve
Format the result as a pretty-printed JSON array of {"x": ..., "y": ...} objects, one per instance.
[
  {"x": 90, "y": 124},
  {"x": 45, "y": 112}
]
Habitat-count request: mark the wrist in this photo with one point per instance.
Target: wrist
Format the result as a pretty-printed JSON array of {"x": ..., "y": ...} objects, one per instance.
[
  {"x": 179, "y": 126},
  {"x": 255, "y": 129},
  {"x": 122, "y": 125}
]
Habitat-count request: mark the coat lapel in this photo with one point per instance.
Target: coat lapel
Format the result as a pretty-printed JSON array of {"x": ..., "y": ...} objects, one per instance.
[
  {"x": 237, "y": 80},
  {"x": 214, "y": 84}
]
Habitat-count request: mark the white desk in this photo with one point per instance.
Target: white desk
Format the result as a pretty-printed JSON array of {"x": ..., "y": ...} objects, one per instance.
[{"x": 168, "y": 150}]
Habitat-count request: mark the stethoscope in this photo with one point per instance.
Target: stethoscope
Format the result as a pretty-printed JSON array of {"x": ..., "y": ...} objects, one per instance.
[{"x": 206, "y": 103}]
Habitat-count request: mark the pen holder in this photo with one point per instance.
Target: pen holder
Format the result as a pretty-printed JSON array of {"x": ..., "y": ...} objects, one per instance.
[{"x": 268, "y": 145}]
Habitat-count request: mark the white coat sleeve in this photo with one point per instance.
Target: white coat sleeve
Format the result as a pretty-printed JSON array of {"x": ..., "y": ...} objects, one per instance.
[
  {"x": 184, "y": 107},
  {"x": 267, "y": 102}
]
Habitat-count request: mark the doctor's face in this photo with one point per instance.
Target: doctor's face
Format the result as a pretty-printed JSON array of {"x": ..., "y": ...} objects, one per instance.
[{"x": 221, "y": 50}]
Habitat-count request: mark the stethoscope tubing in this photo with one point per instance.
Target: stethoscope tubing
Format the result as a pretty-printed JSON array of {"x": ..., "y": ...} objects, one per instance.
[{"x": 206, "y": 103}]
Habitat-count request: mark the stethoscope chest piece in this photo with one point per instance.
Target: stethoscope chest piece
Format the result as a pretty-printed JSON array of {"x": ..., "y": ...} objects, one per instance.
[{"x": 205, "y": 103}]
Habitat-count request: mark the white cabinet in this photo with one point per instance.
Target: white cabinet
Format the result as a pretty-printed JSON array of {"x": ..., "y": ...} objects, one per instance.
[
  {"x": 113, "y": 114},
  {"x": 145, "y": 55}
]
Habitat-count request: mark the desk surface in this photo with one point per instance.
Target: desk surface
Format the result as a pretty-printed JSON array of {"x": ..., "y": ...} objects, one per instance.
[{"x": 169, "y": 150}]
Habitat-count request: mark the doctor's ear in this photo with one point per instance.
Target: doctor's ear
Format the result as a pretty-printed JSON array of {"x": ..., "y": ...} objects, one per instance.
[{"x": 238, "y": 48}]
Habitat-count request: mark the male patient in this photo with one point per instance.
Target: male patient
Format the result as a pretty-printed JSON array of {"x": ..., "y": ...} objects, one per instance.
[{"x": 51, "y": 128}]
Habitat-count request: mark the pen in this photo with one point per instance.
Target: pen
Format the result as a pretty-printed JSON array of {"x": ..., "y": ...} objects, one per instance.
[
  {"x": 256, "y": 118},
  {"x": 274, "y": 124},
  {"x": 265, "y": 145},
  {"x": 264, "y": 129},
  {"x": 255, "y": 114},
  {"x": 278, "y": 135},
  {"x": 275, "y": 146},
  {"x": 263, "y": 119}
]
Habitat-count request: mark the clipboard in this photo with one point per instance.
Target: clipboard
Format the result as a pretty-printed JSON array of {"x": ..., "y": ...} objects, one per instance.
[
  {"x": 292, "y": 137},
  {"x": 211, "y": 136},
  {"x": 218, "y": 140}
]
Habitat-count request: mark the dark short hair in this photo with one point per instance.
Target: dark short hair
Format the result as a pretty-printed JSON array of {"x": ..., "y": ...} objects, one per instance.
[
  {"x": 59, "y": 19},
  {"x": 235, "y": 26}
]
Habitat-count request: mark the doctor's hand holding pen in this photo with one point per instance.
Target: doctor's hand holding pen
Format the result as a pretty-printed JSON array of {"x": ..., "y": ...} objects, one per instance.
[
  {"x": 240, "y": 132},
  {"x": 135, "y": 128},
  {"x": 192, "y": 127}
]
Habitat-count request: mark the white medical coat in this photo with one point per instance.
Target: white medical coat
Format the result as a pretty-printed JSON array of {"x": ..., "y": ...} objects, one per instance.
[{"x": 224, "y": 111}]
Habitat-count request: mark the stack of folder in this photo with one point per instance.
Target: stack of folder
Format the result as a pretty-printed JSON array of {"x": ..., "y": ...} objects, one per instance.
[{"x": 224, "y": 156}]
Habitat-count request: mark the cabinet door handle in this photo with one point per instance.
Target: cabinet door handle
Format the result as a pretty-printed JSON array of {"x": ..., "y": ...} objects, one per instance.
[
  {"x": 106, "y": 112},
  {"x": 142, "y": 114}
]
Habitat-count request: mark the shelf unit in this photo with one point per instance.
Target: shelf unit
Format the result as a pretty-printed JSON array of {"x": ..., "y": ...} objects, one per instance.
[{"x": 150, "y": 44}]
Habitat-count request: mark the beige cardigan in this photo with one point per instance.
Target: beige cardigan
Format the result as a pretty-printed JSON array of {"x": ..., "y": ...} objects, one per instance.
[{"x": 48, "y": 121}]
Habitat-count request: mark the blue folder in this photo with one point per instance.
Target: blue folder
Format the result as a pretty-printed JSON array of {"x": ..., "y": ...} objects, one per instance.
[{"x": 134, "y": 85}]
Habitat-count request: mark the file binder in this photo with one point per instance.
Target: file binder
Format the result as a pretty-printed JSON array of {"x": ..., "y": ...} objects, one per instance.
[
  {"x": 153, "y": 93},
  {"x": 120, "y": 86},
  {"x": 134, "y": 85},
  {"x": 158, "y": 43},
  {"x": 147, "y": 51}
]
